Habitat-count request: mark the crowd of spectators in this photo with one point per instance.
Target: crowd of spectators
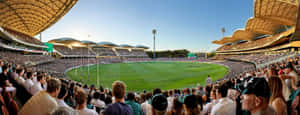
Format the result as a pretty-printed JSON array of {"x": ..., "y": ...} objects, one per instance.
[
  {"x": 103, "y": 51},
  {"x": 75, "y": 51},
  {"x": 257, "y": 58},
  {"x": 123, "y": 52},
  {"x": 138, "y": 52}
]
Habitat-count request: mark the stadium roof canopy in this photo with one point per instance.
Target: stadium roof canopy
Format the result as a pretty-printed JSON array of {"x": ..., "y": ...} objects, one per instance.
[
  {"x": 88, "y": 42},
  {"x": 32, "y": 16},
  {"x": 269, "y": 17},
  {"x": 142, "y": 46},
  {"x": 280, "y": 11},
  {"x": 262, "y": 26},
  {"x": 126, "y": 46},
  {"x": 107, "y": 44},
  {"x": 65, "y": 40}
]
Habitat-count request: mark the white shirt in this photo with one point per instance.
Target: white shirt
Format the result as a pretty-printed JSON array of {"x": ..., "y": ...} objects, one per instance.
[
  {"x": 144, "y": 107},
  {"x": 208, "y": 107},
  {"x": 98, "y": 103},
  {"x": 28, "y": 84},
  {"x": 225, "y": 106},
  {"x": 170, "y": 102},
  {"x": 20, "y": 80},
  {"x": 14, "y": 75},
  {"x": 61, "y": 102},
  {"x": 87, "y": 111},
  {"x": 36, "y": 88}
]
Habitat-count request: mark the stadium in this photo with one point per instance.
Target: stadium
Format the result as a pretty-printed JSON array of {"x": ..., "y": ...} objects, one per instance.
[{"x": 253, "y": 71}]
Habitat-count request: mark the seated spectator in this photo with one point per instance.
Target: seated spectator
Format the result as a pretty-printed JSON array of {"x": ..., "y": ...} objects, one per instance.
[
  {"x": 13, "y": 75},
  {"x": 61, "y": 110},
  {"x": 43, "y": 103},
  {"x": 277, "y": 100},
  {"x": 159, "y": 104},
  {"x": 256, "y": 98},
  {"x": 225, "y": 106},
  {"x": 191, "y": 106},
  {"x": 145, "y": 104},
  {"x": 61, "y": 96},
  {"x": 207, "y": 108},
  {"x": 177, "y": 108},
  {"x": 118, "y": 107},
  {"x": 96, "y": 100},
  {"x": 38, "y": 86},
  {"x": 81, "y": 100},
  {"x": 20, "y": 80},
  {"x": 28, "y": 83},
  {"x": 4, "y": 82},
  {"x": 137, "y": 110}
]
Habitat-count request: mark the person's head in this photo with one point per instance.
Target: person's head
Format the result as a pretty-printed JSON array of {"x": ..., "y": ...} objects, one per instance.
[
  {"x": 1, "y": 63},
  {"x": 29, "y": 75},
  {"x": 101, "y": 89},
  {"x": 81, "y": 97},
  {"x": 191, "y": 105},
  {"x": 288, "y": 68},
  {"x": 170, "y": 93},
  {"x": 63, "y": 92},
  {"x": 5, "y": 69},
  {"x": 41, "y": 79},
  {"x": 130, "y": 96},
  {"x": 193, "y": 91},
  {"x": 156, "y": 91},
  {"x": 96, "y": 95},
  {"x": 61, "y": 110},
  {"x": 221, "y": 91},
  {"x": 213, "y": 93},
  {"x": 53, "y": 87},
  {"x": 108, "y": 100},
  {"x": 159, "y": 104},
  {"x": 256, "y": 94},
  {"x": 20, "y": 72},
  {"x": 275, "y": 85},
  {"x": 148, "y": 95},
  {"x": 118, "y": 89}
]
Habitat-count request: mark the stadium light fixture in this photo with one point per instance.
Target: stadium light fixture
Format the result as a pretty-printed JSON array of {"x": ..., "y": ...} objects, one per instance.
[{"x": 154, "y": 32}]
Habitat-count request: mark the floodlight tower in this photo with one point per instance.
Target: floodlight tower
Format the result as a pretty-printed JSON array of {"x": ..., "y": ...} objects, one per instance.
[{"x": 154, "y": 32}]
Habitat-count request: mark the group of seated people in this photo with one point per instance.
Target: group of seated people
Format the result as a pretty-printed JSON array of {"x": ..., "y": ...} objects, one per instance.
[
  {"x": 138, "y": 52},
  {"x": 123, "y": 52},
  {"x": 103, "y": 51},
  {"x": 257, "y": 58},
  {"x": 249, "y": 44},
  {"x": 16, "y": 57},
  {"x": 80, "y": 51}
]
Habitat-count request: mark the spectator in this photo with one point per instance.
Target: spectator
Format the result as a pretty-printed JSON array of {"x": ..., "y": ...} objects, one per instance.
[
  {"x": 61, "y": 96},
  {"x": 177, "y": 108},
  {"x": 13, "y": 75},
  {"x": 207, "y": 108},
  {"x": 28, "y": 83},
  {"x": 191, "y": 106},
  {"x": 1, "y": 65},
  {"x": 81, "y": 100},
  {"x": 44, "y": 101},
  {"x": 4, "y": 82},
  {"x": 208, "y": 80},
  {"x": 146, "y": 103},
  {"x": 225, "y": 106},
  {"x": 277, "y": 100},
  {"x": 256, "y": 98},
  {"x": 61, "y": 110},
  {"x": 159, "y": 104},
  {"x": 38, "y": 86},
  {"x": 96, "y": 100},
  {"x": 118, "y": 107},
  {"x": 20, "y": 80},
  {"x": 137, "y": 110}
]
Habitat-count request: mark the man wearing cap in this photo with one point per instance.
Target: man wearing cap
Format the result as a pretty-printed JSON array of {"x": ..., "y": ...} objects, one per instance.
[
  {"x": 255, "y": 98},
  {"x": 157, "y": 104}
]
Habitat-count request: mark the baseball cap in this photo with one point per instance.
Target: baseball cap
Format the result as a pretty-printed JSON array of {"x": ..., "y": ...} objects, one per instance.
[
  {"x": 159, "y": 102},
  {"x": 258, "y": 87}
]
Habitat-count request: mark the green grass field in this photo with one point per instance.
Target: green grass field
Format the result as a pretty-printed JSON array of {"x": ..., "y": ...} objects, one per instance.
[{"x": 148, "y": 75}]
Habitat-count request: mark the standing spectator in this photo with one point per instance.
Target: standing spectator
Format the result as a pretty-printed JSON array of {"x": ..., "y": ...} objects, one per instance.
[
  {"x": 277, "y": 100},
  {"x": 61, "y": 96},
  {"x": 118, "y": 107},
  {"x": 256, "y": 98},
  {"x": 208, "y": 80},
  {"x": 81, "y": 100},
  {"x": 96, "y": 100},
  {"x": 146, "y": 103},
  {"x": 177, "y": 108},
  {"x": 43, "y": 103},
  {"x": 159, "y": 104},
  {"x": 137, "y": 110}
]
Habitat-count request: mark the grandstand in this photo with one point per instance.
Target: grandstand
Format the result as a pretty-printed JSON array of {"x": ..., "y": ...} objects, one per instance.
[{"x": 268, "y": 44}]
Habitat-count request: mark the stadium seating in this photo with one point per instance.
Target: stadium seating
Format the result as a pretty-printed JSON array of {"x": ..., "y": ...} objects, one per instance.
[{"x": 103, "y": 51}]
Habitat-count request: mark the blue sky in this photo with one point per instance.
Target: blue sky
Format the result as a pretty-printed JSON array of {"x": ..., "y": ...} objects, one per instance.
[{"x": 181, "y": 24}]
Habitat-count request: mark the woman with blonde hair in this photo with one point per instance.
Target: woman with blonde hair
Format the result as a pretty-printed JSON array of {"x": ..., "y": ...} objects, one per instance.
[{"x": 277, "y": 100}]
